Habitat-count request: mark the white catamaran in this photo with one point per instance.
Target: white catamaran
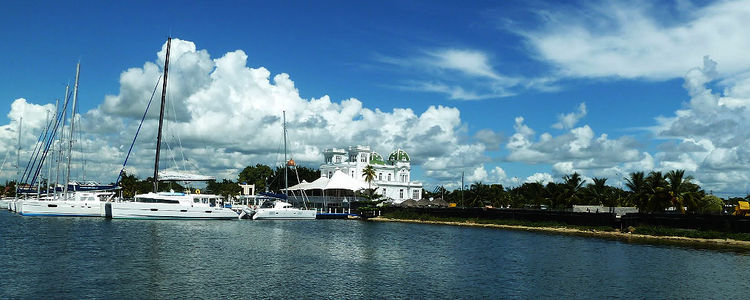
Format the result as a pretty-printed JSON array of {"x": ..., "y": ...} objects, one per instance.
[
  {"x": 278, "y": 209},
  {"x": 170, "y": 205}
]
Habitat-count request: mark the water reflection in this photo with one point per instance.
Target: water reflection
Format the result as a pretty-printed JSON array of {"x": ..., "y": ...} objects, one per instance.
[{"x": 343, "y": 259}]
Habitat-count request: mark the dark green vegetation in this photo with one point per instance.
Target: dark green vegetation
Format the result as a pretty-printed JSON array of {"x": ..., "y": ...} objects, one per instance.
[
  {"x": 654, "y": 192},
  {"x": 8, "y": 189},
  {"x": 261, "y": 175},
  {"x": 704, "y": 234}
]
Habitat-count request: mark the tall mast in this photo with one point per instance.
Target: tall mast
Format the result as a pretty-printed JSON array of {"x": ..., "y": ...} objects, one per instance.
[
  {"x": 49, "y": 164},
  {"x": 18, "y": 152},
  {"x": 60, "y": 140},
  {"x": 18, "y": 157},
  {"x": 161, "y": 118},
  {"x": 286, "y": 163},
  {"x": 41, "y": 166},
  {"x": 72, "y": 127}
]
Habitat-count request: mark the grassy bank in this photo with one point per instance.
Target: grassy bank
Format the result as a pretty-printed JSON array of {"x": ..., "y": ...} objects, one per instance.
[
  {"x": 645, "y": 233},
  {"x": 406, "y": 215}
]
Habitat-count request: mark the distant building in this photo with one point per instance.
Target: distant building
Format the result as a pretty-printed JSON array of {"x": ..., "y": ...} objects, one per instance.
[{"x": 392, "y": 176}]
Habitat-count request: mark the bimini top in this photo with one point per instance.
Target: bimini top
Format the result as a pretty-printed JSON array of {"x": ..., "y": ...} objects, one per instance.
[
  {"x": 376, "y": 159},
  {"x": 398, "y": 155}
]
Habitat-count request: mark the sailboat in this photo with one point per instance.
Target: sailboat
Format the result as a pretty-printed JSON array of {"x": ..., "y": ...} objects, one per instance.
[
  {"x": 70, "y": 202},
  {"x": 279, "y": 209},
  {"x": 170, "y": 205}
]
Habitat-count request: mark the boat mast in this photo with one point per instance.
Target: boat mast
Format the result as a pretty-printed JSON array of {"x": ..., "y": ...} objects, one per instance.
[
  {"x": 18, "y": 156},
  {"x": 60, "y": 140},
  {"x": 49, "y": 164},
  {"x": 161, "y": 118},
  {"x": 286, "y": 163},
  {"x": 41, "y": 166},
  {"x": 72, "y": 125}
]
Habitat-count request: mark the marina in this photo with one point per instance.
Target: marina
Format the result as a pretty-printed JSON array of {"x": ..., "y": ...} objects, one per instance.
[
  {"x": 344, "y": 259},
  {"x": 375, "y": 150}
]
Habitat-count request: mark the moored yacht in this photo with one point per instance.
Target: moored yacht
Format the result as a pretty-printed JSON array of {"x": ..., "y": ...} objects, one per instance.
[
  {"x": 280, "y": 210},
  {"x": 77, "y": 204},
  {"x": 5, "y": 203},
  {"x": 171, "y": 205}
]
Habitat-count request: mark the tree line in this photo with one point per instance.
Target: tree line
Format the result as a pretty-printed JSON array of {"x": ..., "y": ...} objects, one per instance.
[
  {"x": 262, "y": 176},
  {"x": 652, "y": 192}
]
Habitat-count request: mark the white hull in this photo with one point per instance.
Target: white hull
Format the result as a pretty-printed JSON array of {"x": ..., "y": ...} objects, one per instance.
[
  {"x": 5, "y": 203},
  {"x": 57, "y": 208},
  {"x": 144, "y": 210},
  {"x": 284, "y": 214}
]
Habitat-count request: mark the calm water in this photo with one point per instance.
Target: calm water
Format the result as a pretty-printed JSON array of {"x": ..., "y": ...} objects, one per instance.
[{"x": 98, "y": 258}]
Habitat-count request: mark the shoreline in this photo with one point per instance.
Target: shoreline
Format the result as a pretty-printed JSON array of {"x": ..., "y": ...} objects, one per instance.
[{"x": 728, "y": 244}]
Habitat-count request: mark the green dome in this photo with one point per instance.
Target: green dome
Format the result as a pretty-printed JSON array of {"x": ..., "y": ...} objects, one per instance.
[
  {"x": 376, "y": 159},
  {"x": 398, "y": 155}
]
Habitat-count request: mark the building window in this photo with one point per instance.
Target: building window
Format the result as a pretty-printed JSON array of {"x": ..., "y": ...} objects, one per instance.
[
  {"x": 352, "y": 173},
  {"x": 384, "y": 190},
  {"x": 338, "y": 159},
  {"x": 389, "y": 177},
  {"x": 380, "y": 176},
  {"x": 401, "y": 194},
  {"x": 330, "y": 174},
  {"x": 415, "y": 195},
  {"x": 363, "y": 158}
]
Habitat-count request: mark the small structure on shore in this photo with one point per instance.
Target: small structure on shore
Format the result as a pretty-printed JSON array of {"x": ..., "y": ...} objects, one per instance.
[
  {"x": 424, "y": 203},
  {"x": 439, "y": 202},
  {"x": 408, "y": 203}
]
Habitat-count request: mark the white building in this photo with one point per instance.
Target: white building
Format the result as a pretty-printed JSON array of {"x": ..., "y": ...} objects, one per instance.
[{"x": 392, "y": 177}]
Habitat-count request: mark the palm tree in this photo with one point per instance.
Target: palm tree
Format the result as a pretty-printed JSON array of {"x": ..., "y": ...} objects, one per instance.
[
  {"x": 684, "y": 193},
  {"x": 678, "y": 184},
  {"x": 658, "y": 191},
  {"x": 598, "y": 193},
  {"x": 369, "y": 174},
  {"x": 637, "y": 185},
  {"x": 571, "y": 189}
]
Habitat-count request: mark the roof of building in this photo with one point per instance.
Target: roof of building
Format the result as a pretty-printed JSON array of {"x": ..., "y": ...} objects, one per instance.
[
  {"x": 376, "y": 159},
  {"x": 398, "y": 155}
]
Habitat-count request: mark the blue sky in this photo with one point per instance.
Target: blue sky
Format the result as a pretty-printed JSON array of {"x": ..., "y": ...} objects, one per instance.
[{"x": 507, "y": 92}]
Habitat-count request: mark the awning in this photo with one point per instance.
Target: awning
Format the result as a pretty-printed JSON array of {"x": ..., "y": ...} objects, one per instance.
[{"x": 341, "y": 181}]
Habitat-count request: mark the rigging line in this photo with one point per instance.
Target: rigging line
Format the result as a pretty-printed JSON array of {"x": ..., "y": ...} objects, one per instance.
[
  {"x": 3, "y": 165},
  {"x": 49, "y": 140},
  {"x": 172, "y": 131},
  {"x": 179, "y": 144},
  {"x": 37, "y": 149},
  {"x": 119, "y": 175},
  {"x": 80, "y": 144}
]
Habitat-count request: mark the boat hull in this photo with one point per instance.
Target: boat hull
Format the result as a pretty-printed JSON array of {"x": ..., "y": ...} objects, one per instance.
[
  {"x": 284, "y": 214},
  {"x": 163, "y": 211},
  {"x": 62, "y": 208}
]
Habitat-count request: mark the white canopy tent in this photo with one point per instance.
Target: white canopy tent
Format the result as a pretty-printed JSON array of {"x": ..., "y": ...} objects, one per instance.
[
  {"x": 301, "y": 186},
  {"x": 341, "y": 181},
  {"x": 182, "y": 176},
  {"x": 318, "y": 184}
]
